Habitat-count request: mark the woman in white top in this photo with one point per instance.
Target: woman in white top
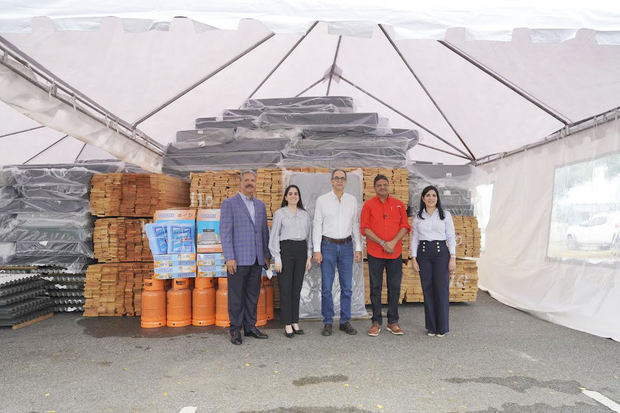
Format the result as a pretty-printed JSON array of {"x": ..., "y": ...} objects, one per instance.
[
  {"x": 433, "y": 248},
  {"x": 290, "y": 245}
]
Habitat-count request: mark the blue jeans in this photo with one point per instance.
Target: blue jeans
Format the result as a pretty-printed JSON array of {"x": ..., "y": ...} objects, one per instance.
[{"x": 336, "y": 256}]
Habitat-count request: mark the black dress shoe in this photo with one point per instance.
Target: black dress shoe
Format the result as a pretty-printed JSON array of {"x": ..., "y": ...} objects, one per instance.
[
  {"x": 300, "y": 331},
  {"x": 348, "y": 328},
  {"x": 256, "y": 333},
  {"x": 235, "y": 338},
  {"x": 327, "y": 330}
]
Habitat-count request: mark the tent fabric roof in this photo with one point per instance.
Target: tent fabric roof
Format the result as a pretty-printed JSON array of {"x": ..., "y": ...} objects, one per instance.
[{"x": 448, "y": 90}]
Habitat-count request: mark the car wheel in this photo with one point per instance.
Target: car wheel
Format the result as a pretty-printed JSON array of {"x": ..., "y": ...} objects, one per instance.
[{"x": 571, "y": 243}]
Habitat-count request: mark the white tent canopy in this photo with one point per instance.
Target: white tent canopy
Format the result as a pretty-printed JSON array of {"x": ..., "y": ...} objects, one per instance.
[{"x": 476, "y": 83}]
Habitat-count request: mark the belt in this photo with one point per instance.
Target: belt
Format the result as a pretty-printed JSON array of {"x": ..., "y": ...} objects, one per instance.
[{"x": 337, "y": 241}]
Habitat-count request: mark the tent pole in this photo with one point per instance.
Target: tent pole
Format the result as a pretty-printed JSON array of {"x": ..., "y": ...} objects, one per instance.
[
  {"x": 565, "y": 132},
  {"x": 404, "y": 116},
  {"x": 310, "y": 87},
  {"x": 558, "y": 116},
  {"x": 21, "y": 131},
  {"x": 331, "y": 71},
  {"x": 49, "y": 147},
  {"x": 443, "y": 115},
  {"x": 283, "y": 59},
  {"x": 201, "y": 81},
  {"x": 79, "y": 153},
  {"x": 442, "y": 150}
]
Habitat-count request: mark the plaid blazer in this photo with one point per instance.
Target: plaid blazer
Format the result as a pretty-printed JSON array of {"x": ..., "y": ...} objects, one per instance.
[{"x": 242, "y": 239}]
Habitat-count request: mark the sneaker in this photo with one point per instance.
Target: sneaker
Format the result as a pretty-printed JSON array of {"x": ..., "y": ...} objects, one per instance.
[
  {"x": 395, "y": 329},
  {"x": 440, "y": 335},
  {"x": 327, "y": 330},
  {"x": 374, "y": 329},
  {"x": 430, "y": 334},
  {"x": 348, "y": 328}
]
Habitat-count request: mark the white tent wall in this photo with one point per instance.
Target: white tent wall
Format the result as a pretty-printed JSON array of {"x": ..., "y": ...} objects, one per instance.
[{"x": 514, "y": 267}]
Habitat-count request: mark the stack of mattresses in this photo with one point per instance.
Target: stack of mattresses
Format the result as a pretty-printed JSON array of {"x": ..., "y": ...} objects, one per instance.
[
  {"x": 115, "y": 289},
  {"x": 208, "y": 189},
  {"x": 313, "y": 131},
  {"x": 467, "y": 236},
  {"x": 121, "y": 240},
  {"x": 22, "y": 298},
  {"x": 45, "y": 215},
  {"x": 65, "y": 290},
  {"x": 452, "y": 181},
  {"x": 463, "y": 283},
  {"x": 136, "y": 194}
]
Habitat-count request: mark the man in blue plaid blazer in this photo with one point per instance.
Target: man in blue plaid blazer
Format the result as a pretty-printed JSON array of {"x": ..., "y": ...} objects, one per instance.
[{"x": 245, "y": 238}]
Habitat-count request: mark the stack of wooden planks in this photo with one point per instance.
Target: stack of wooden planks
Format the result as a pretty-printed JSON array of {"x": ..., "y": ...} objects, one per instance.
[
  {"x": 121, "y": 240},
  {"x": 269, "y": 189},
  {"x": 135, "y": 194},
  {"x": 208, "y": 189},
  {"x": 467, "y": 236},
  {"x": 115, "y": 289},
  {"x": 398, "y": 178},
  {"x": 463, "y": 283}
]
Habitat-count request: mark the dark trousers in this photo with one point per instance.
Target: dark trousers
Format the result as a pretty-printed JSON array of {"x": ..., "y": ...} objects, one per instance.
[
  {"x": 433, "y": 260},
  {"x": 394, "y": 275},
  {"x": 243, "y": 292},
  {"x": 294, "y": 256}
]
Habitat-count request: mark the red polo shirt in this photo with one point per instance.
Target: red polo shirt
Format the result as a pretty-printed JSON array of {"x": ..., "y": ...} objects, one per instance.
[{"x": 385, "y": 220}]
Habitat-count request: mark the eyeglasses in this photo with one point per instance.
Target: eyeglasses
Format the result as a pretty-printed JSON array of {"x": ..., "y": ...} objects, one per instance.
[{"x": 339, "y": 178}]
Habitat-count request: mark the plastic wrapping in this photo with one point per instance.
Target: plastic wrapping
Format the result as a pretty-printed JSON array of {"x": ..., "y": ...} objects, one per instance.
[
  {"x": 345, "y": 123},
  {"x": 183, "y": 165},
  {"x": 292, "y": 134},
  {"x": 46, "y": 227},
  {"x": 311, "y": 187},
  {"x": 239, "y": 145},
  {"x": 454, "y": 182},
  {"x": 255, "y": 112},
  {"x": 202, "y": 123},
  {"x": 343, "y": 103},
  {"x": 206, "y": 137}
]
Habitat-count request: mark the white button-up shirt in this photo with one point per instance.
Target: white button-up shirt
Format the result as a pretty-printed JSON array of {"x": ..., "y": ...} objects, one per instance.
[
  {"x": 336, "y": 219},
  {"x": 433, "y": 228}
]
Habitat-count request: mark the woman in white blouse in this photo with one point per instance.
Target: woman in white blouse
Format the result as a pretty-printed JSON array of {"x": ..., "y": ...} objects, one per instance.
[
  {"x": 433, "y": 248},
  {"x": 290, "y": 245}
]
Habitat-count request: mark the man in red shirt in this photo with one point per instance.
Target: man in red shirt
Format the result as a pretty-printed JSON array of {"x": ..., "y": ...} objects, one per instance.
[{"x": 384, "y": 223}]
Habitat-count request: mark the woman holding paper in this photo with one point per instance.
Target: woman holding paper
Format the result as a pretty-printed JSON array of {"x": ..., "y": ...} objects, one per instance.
[{"x": 290, "y": 245}]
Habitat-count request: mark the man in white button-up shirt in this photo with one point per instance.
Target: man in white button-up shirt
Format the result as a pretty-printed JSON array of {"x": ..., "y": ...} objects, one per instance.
[{"x": 336, "y": 235}]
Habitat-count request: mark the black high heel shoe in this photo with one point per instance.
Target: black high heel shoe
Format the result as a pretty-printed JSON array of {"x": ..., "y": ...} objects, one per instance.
[
  {"x": 289, "y": 335},
  {"x": 299, "y": 332}
]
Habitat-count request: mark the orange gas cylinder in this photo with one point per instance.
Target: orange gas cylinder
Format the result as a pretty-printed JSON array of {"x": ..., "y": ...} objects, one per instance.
[
  {"x": 269, "y": 294},
  {"x": 221, "y": 303},
  {"x": 179, "y": 303},
  {"x": 153, "y": 304},
  {"x": 203, "y": 302},
  {"x": 261, "y": 307}
]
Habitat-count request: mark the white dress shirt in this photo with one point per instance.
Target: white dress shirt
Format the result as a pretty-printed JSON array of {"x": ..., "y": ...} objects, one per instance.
[
  {"x": 336, "y": 219},
  {"x": 433, "y": 228}
]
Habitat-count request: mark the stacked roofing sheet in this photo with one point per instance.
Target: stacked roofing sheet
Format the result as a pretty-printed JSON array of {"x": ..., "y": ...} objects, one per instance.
[
  {"x": 289, "y": 132},
  {"x": 22, "y": 298}
]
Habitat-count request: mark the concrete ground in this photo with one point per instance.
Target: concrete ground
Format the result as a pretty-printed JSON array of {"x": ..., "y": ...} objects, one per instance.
[{"x": 495, "y": 359}]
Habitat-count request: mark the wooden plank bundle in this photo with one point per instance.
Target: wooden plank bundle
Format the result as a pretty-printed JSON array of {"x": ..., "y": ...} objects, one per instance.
[
  {"x": 399, "y": 182},
  {"x": 269, "y": 189},
  {"x": 121, "y": 240},
  {"x": 467, "y": 236},
  {"x": 208, "y": 189},
  {"x": 115, "y": 289},
  {"x": 136, "y": 195},
  {"x": 463, "y": 283}
]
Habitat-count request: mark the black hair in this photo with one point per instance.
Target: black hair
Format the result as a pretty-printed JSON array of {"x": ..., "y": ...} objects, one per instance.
[
  {"x": 380, "y": 177},
  {"x": 423, "y": 206},
  {"x": 300, "y": 204},
  {"x": 341, "y": 170}
]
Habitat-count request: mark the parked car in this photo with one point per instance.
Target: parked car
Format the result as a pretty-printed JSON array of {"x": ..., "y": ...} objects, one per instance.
[{"x": 600, "y": 231}]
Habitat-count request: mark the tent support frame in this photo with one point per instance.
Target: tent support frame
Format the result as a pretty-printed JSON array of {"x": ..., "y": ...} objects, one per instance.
[
  {"x": 21, "y": 131},
  {"x": 286, "y": 56},
  {"x": 463, "y": 154},
  {"x": 201, "y": 81},
  {"x": 310, "y": 87},
  {"x": 536, "y": 102},
  {"x": 333, "y": 68},
  {"x": 443, "y": 115},
  {"x": 79, "y": 153},
  {"x": 49, "y": 147}
]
